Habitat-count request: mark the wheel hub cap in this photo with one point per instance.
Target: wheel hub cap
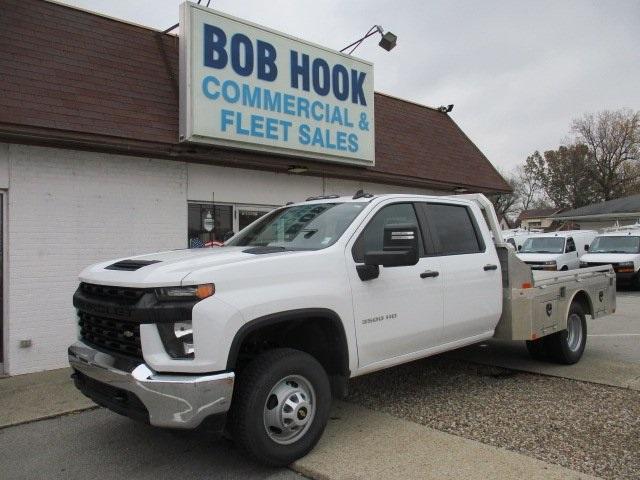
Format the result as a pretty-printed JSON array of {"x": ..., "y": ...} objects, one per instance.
[
  {"x": 574, "y": 332},
  {"x": 289, "y": 409}
]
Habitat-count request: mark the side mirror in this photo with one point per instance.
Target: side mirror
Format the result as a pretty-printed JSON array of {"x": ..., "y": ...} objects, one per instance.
[
  {"x": 586, "y": 248},
  {"x": 399, "y": 247},
  {"x": 519, "y": 247},
  {"x": 227, "y": 235}
]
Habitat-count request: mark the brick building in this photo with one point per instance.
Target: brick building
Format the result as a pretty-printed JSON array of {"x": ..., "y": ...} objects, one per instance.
[{"x": 91, "y": 167}]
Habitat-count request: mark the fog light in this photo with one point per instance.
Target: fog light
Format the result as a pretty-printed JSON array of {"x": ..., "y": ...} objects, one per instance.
[{"x": 177, "y": 339}]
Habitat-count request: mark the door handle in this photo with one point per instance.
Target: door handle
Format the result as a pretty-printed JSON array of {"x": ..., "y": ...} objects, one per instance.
[
  {"x": 490, "y": 267},
  {"x": 429, "y": 274}
]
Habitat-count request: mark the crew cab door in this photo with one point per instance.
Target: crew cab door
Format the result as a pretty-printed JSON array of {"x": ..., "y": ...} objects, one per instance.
[
  {"x": 400, "y": 311},
  {"x": 470, "y": 269}
]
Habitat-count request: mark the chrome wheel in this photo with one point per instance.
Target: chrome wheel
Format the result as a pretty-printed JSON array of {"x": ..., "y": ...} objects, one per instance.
[
  {"x": 574, "y": 332},
  {"x": 289, "y": 409}
]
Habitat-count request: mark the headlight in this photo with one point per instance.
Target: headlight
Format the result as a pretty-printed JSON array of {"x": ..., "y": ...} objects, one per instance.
[
  {"x": 550, "y": 265},
  {"x": 584, "y": 264},
  {"x": 191, "y": 292},
  {"x": 625, "y": 267},
  {"x": 177, "y": 339},
  {"x": 551, "y": 262}
]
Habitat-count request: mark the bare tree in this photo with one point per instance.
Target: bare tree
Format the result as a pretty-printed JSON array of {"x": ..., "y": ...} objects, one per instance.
[
  {"x": 528, "y": 186},
  {"x": 613, "y": 141}
]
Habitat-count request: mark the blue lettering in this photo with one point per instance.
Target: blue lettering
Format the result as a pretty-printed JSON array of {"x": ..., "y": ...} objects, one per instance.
[
  {"x": 285, "y": 133},
  {"x": 205, "y": 87},
  {"x": 257, "y": 126},
  {"x": 251, "y": 96},
  {"x": 315, "y": 106},
  {"x": 357, "y": 92},
  {"x": 353, "y": 142},
  {"x": 317, "y": 138},
  {"x": 303, "y": 107},
  {"x": 328, "y": 143},
  {"x": 267, "y": 68},
  {"x": 227, "y": 119},
  {"x": 341, "y": 142},
  {"x": 230, "y": 85},
  {"x": 337, "y": 115},
  {"x": 215, "y": 56},
  {"x": 289, "y": 104},
  {"x": 298, "y": 70},
  {"x": 272, "y": 101},
  {"x": 321, "y": 77},
  {"x": 340, "y": 81},
  {"x": 303, "y": 134},
  {"x": 272, "y": 128},
  {"x": 236, "y": 41},
  {"x": 239, "y": 129}
]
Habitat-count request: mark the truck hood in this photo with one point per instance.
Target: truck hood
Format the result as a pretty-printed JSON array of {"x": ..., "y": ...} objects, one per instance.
[
  {"x": 610, "y": 257},
  {"x": 167, "y": 268},
  {"x": 538, "y": 257}
]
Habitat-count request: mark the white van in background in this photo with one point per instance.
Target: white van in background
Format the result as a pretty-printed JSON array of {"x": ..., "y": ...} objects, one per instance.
[
  {"x": 517, "y": 236},
  {"x": 556, "y": 250},
  {"x": 620, "y": 249}
]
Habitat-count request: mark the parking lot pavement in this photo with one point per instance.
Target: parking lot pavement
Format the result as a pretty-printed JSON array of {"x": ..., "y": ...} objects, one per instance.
[
  {"x": 98, "y": 444},
  {"x": 612, "y": 355}
]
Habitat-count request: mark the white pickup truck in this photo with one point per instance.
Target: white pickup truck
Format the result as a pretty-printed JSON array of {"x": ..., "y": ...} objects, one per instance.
[{"x": 258, "y": 336}]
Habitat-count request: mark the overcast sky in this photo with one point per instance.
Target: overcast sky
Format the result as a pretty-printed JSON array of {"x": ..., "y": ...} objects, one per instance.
[{"x": 517, "y": 71}]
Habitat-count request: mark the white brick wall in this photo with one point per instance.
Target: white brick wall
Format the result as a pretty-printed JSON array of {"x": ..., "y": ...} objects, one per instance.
[{"x": 68, "y": 209}]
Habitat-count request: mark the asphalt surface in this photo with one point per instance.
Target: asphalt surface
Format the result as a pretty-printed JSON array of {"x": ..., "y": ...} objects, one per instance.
[{"x": 98, "y": 444}]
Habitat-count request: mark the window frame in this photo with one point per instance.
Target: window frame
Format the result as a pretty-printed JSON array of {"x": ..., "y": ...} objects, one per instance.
[
  {"x": 422, "y": 245},
  {"x": 566, "y": 245},
  {"x": 438, "y": 249}
]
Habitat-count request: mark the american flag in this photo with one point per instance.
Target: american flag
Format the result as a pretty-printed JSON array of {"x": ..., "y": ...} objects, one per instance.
[{"x": 196, "y": 243}]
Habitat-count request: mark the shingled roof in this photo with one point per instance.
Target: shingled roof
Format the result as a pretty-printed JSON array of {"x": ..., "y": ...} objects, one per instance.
[
  {"x": 618, "y": 208},
  {"x": 75, "y": 79}
]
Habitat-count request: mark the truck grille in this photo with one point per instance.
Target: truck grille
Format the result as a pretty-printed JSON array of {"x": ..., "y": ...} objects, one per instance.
[
  {"x": 114, "y": 335},
  {"x": 103, "y": 316},
  {"x": 123, "y": 295}
]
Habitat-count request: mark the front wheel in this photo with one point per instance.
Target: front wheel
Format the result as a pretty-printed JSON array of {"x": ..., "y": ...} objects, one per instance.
[
  {"x": 568, "y": 345},
  {"x": 281, "y": 406}
]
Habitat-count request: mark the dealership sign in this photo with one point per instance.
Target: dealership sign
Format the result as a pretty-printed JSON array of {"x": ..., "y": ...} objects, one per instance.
[{"x": 249, "y": 87}]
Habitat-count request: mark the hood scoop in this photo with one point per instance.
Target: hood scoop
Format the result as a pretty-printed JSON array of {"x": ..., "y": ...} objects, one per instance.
[{"x": 130, "y": 265}]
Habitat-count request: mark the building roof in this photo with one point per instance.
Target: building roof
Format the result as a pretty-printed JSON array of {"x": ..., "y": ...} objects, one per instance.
[
  {"x": 76, "y": 79},
  {"x": 618, "y": 208},
  {"x": 537, "y": 213}
]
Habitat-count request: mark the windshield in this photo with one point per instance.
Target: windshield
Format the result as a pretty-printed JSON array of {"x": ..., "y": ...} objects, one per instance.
[
  {"x": 300, "y": 227},
  {"x": 617, "y": 244},
  {"x": 543, "y": 245}
]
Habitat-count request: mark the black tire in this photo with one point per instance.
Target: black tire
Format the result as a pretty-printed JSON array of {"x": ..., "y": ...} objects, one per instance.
[
  {"x": 253, "y": 388},
  {"x": 558, "y": 346},
  {"x": 537, "y": 349},
  {"x": 564, "y": 268},
  {"x": 635, "y": 282}
]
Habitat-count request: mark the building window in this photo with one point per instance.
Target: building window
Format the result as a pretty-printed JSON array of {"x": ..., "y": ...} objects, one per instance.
[{"x": 208, "y": 224}]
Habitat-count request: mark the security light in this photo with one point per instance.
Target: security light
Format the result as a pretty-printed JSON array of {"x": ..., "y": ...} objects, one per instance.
[
  {"x": 446, "y": 109},
  {"x": 387, "y": 42}
]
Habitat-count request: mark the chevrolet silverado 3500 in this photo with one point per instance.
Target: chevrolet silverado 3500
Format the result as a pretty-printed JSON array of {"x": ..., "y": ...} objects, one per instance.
[{"x": 258, "y": 336}]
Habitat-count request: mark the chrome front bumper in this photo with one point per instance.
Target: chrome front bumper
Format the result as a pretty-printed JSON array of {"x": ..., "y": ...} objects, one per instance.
[{"x": 174, "y": 401}]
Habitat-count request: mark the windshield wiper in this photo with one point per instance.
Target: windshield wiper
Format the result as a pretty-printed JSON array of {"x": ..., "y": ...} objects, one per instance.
[{"x": 309, "y": 232}]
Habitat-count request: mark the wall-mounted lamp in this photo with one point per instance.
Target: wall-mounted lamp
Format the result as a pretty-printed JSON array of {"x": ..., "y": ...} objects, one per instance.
[
  {"x": 297, "y": 169},
  {"x": 388, "y": 40}
]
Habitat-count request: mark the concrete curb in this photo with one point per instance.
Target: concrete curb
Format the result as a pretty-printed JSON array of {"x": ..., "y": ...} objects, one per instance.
[{"x": 368, "y": 445}]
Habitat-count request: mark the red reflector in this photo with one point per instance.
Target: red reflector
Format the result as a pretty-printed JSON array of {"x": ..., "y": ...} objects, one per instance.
[{"x": 527, "y": 285}]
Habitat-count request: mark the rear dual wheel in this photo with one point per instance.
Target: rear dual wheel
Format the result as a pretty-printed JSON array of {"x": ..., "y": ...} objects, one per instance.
[{"x": 566, "y": 346}]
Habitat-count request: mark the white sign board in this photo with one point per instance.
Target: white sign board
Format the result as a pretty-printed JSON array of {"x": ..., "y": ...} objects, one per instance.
[{"x": 249, "y": 87}]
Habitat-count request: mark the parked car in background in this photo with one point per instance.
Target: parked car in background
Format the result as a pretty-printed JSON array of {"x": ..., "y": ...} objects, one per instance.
[
  {"x": 620, "y": 249},
  {"x": 556, "y": 250}
]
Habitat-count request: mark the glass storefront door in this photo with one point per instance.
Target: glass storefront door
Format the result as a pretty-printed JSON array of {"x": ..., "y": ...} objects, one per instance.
[{"x": 248, "y": 215}]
